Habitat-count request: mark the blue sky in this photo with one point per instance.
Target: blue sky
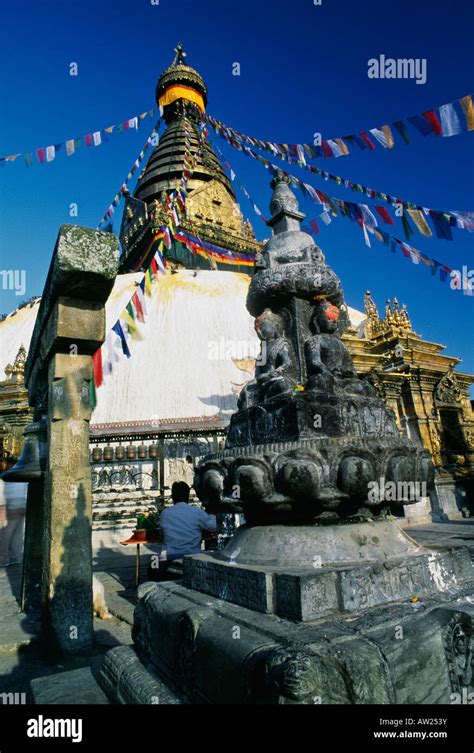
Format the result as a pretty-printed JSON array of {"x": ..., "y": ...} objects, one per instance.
[{"x": 303, "y": 70}]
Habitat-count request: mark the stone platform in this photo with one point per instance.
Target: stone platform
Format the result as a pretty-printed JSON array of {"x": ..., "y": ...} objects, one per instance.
[
  {"x": 309, "y": 572},
  {"x": 379, "y": 620}
]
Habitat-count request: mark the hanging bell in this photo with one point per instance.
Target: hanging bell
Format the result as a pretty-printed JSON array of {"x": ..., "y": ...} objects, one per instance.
[{"x": 32, "y": 462}]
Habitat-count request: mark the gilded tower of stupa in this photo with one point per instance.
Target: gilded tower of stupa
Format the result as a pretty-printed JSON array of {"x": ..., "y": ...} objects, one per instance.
[{"x": 213, "y": 220}]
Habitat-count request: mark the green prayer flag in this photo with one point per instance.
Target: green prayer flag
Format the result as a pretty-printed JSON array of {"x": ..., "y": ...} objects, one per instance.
[
  {"x": 402, "y": 130},
  {"x": 407, "y": 228},
  {"x": 92, "y": 394}
]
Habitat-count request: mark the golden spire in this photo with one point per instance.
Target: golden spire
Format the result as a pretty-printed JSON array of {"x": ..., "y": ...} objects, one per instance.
[
  {"x": 373, "y": 323},
  {"x": 16, "y": 373}
]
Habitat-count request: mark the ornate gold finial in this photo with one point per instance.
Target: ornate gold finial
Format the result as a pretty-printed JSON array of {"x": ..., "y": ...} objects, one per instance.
[
  {"x": 180, "y": 57},
  {"x": 405, "y": 319},
  {"x": 388, "y": 312},
  {"x": 396, "y": 316},
  {"x": 16, "y": 373},
  {"x": 373, "y": 324}
]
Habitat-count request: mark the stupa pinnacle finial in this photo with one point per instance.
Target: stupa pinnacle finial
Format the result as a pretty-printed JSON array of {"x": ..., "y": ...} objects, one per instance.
[{"x": 180, "y": 57}]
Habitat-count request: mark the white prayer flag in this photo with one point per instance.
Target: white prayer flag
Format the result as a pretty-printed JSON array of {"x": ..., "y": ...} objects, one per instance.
[
  {"x": 97, "y": 139},
  {"x": 366, "y": 235}
]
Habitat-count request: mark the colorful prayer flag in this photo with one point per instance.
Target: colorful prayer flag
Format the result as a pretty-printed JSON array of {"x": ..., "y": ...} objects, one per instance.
[
  {"x": 450, "y": 122},
  {"x": 367, "y": 140},
  {"x": 117, "y": 328},
  {"x": 421, "y": 124},
  {"x": 97, "y": 366},
  {"x": 385, "y": 215},
  {"x": 468, "y": 109},
  {"x": 402, "y": 130},
  {"x": 433, "y": 120},
  {"x": 420, "y": 222},
  {"x": 441, "y": 226}
]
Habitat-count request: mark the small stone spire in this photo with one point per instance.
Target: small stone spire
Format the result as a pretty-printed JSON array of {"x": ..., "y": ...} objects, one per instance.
[{"x": 286, "y": 215}]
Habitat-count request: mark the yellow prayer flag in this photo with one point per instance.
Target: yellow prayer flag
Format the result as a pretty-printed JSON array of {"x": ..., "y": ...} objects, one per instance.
[
  {"x": 132, "y": 327},
  {"x": 148, "y": 283},
  {"x": 468, "y": 109},
  {"x": 342, "y": 146},
  {"x": 420, "y": 222},
  {"x": 388, "y": 135}
]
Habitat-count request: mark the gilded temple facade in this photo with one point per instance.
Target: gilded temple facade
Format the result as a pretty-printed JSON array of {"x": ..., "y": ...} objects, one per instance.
[{"x": 429, "y": 397}]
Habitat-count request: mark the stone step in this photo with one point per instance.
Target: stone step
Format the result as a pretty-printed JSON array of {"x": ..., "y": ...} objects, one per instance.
[
  {"x": 124, "y": 680},
  {"x": 76, "y": 687}
]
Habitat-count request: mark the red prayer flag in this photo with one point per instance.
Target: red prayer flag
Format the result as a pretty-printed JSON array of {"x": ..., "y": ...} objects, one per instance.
[
  {"x": 322, "y": 196},
  {"x": 88, "y": 139},
  {"x": 314, "y": 226},
  {"x": 434, "y": 122},
  {"x": 154, "y": 267},
  {"x": 367, "y": 140},
  {"x": 98, "y": 370},
  {"x": 385, "y": 215},
  {"x": 138, "y": 308},
  {"x": 327, "y": 151},
  {"x": 40, "y": 153}
]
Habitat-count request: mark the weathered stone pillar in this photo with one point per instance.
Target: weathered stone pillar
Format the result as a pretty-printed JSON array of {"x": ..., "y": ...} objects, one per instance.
[
  {"x": 30, "y": 600},
  {"x": 59, "y": 372}
]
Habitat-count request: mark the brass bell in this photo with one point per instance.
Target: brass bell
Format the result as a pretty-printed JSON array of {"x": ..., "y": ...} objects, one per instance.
[{"x": 32, "y": 462}]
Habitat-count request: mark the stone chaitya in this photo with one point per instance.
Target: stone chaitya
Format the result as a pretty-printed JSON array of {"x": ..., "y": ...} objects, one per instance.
[
  {"x": 320, "y": 597},
  {"x": 310, "y": 436}
]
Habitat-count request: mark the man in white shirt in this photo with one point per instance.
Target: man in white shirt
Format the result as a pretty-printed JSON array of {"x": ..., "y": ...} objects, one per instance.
[{"x": 183, "y": 525}]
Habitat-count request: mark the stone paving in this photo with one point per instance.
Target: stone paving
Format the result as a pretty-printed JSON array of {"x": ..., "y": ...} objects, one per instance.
[{"x": 24, "y": 670}]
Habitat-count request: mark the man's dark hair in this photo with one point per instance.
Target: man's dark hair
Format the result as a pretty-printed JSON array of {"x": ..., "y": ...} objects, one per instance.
[{"x": 180, "y": 491}]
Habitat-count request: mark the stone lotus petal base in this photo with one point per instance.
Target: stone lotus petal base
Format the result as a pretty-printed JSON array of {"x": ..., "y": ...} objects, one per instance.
[{"x": 309, "y": 479}]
